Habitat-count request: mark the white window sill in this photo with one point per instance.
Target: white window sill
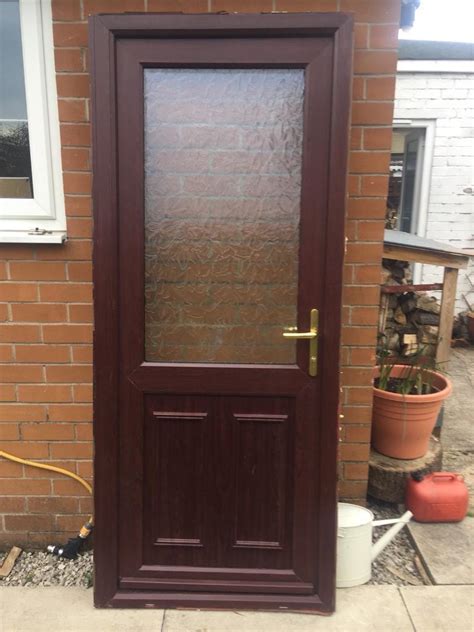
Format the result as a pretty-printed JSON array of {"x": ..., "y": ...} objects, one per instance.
[{"x": 24, "y": 237}]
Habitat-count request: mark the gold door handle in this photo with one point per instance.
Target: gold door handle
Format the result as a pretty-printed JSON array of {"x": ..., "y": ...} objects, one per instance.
[
  {"x": 312, "y": 336},
  {"x": 304, "y": 335}
]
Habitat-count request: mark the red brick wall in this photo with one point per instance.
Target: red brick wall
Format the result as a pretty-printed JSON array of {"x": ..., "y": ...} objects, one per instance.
[{"x": 45, "y": 300}]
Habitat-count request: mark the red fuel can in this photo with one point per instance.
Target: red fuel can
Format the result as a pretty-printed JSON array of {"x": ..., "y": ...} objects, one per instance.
[{"x": 437, "y": 497}]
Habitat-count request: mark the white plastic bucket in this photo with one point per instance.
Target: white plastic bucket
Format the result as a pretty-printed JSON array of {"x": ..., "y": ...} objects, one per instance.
[{"x": 354, "y": 545}]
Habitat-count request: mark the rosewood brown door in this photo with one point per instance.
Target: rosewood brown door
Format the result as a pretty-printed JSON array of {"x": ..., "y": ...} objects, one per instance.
[{"x": 219, "y": 172}]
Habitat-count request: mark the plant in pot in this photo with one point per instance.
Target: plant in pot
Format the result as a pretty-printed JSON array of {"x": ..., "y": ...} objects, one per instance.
[{"x": 407, "y": 401}]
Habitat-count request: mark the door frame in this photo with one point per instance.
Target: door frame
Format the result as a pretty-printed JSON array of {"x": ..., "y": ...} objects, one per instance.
[{"x": 105, "y": 30}]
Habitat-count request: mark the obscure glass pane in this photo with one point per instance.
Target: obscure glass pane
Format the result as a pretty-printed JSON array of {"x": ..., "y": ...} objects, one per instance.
[
  {"x": 15, "y": 163},
  {"x": 222, "y": 205}
]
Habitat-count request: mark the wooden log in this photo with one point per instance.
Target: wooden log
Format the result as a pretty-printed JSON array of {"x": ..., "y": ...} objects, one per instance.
[
  {"x": 9, "y": 562},
  {"x": 388, "y": 477},
  {"x": 425, "y": 318},
  {"x": 399, "y": 289}
]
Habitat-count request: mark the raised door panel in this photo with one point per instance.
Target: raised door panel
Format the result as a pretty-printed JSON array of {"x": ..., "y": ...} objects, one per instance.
[
  {"x": 218, "y": 481},
  {"x": 175, "y": 460},
  {"x": 260, "y": 466},
  {"x": 174, "y": 464}
]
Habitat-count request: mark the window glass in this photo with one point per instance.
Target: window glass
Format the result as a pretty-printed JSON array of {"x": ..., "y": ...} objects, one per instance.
[
  {"x": 15, "y": 162},
  {"x": 222, "y": 209}
]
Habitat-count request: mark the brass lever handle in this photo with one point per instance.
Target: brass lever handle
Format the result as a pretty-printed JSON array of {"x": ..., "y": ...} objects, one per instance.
[
  {"x": 305, "y": 335},
  {"x": 311, "y": 335}
]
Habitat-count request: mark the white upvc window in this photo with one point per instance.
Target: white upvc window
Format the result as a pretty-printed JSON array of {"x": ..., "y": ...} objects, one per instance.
[{"x": 31, "y": 184}]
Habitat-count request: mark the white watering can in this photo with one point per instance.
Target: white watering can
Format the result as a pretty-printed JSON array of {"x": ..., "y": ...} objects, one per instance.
[{"x": 355, "y": 551}]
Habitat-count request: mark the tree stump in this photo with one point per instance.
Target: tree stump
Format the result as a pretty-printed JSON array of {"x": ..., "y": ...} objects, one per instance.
[{"x": 388, "y": 477}]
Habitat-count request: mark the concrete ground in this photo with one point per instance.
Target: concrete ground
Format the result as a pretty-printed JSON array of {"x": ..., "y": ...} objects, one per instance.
[
  {"x": 359, "y": 609},
  {"x": 457, "y": 434},
  {"x": 446, "y": 549}
]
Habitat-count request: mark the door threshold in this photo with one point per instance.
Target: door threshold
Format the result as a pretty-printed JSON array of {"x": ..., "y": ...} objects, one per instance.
[{"x": 311, "y": 604}]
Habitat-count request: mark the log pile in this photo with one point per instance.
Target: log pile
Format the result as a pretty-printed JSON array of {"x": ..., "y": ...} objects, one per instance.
[
  {"x": 408, "y": 319},
  {"x": 463, "y": 329}
]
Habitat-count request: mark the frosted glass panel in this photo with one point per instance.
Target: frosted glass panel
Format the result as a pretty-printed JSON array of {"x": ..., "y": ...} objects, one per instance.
[{"x": 222, "y": 208}]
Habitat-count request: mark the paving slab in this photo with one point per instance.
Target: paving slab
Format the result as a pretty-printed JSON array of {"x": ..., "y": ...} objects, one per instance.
[
  {"x": 440, "y": 608},
  {"x": 361, "y": 609},
  {"x": 457, "y": 434},
  {"x": 458, "y": 425},
  {"x": 446, "y": 550},
  {"x": 61, "y": 609}
]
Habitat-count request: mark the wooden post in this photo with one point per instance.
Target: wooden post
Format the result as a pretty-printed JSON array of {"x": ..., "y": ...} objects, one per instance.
[
  {"x": 446, "y": 315},
  {"x": 383, "y": 312}
]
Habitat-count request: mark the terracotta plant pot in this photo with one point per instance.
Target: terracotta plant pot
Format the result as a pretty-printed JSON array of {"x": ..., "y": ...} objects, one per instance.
[{"x": 402, "y": 424}]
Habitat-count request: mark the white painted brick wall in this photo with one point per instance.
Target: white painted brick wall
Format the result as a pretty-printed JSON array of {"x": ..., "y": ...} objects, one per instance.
[{"x": 449, "y": 100}]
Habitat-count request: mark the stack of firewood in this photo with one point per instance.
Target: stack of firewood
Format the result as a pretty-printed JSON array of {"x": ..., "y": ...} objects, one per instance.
[{"x": 409, "y": 319}]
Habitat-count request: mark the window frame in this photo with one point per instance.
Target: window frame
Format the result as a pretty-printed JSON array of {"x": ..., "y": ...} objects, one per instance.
[
  {"x": 41, "y": 218},
  {"x": 429, "y": 126},
  {"x": 420, "y": 217}
]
